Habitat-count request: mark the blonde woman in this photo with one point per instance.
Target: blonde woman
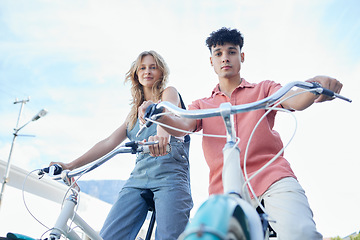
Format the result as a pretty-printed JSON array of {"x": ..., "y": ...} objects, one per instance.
[{"x": 166, "y": 175}]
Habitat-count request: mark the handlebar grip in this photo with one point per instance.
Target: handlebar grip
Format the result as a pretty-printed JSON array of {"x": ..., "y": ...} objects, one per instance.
[
  {"x": 321, "y": 90},
  {"x": 53, "y": 170},
  {"x": 145, "y": 148},
  {"x": 327, "y": 92}
]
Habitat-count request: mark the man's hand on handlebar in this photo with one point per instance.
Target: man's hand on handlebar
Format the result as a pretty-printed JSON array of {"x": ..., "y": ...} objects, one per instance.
[
  {"x": 142, "y": 110},
  {"x": 328, "y": 83}
]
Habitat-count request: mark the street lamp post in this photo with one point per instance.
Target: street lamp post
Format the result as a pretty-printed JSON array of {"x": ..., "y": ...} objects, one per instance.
[{"x": 40, "y": 114}]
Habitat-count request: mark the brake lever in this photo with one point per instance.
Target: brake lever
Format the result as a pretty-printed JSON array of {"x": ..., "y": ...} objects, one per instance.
[
  {"x": 52, "y": 170},
  {"x": 150, "y": 113}
]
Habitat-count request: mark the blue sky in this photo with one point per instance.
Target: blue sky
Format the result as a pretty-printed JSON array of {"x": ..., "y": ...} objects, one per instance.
[{"x": 70, "y": 57}]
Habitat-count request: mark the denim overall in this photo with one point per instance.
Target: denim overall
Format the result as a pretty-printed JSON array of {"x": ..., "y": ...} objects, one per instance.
[{"x": 168, "y": 178}]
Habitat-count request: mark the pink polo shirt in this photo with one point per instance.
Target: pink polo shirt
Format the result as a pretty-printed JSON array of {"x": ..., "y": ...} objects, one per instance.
[{"x": 265, "y": 143}]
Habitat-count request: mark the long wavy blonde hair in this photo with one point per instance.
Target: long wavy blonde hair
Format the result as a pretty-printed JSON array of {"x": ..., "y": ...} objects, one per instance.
[{"x": 137, "y": 92}]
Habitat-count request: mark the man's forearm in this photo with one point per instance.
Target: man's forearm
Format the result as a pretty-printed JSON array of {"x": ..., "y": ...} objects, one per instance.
[
  {"x": 299, "y": 102},
  {"x": 185, "y": 124}
]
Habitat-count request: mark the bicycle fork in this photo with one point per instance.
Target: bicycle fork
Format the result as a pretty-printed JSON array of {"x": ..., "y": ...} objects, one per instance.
[{"x": 67, "y": 212}]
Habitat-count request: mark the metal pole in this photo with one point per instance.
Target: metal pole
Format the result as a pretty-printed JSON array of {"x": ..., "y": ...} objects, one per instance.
[{"x": 7, "y": 171}]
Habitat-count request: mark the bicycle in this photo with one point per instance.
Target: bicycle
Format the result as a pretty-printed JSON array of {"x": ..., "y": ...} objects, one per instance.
[
  {"x": 231, "y": 215},
  {"x": 68, "y": 214}
]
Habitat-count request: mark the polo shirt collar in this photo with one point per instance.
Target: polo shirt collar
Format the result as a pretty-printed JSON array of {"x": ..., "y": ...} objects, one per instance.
[{"x": 243, "y": 84}]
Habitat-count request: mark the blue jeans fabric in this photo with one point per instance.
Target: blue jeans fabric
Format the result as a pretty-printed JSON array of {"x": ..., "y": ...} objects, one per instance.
[{"x": 172, "y": 204}]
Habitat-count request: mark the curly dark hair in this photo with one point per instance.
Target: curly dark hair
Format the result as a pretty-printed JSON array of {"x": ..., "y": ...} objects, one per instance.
[{"x": 225, "y": 35}]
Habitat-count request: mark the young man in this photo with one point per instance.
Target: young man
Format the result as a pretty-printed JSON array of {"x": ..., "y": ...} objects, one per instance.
[{"x": 276, "y": 186}]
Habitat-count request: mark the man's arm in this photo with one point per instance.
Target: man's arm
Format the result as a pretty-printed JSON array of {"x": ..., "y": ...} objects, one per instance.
[
  {"x": 305, "y": 100},
  {"x": 185, "y": 124}
]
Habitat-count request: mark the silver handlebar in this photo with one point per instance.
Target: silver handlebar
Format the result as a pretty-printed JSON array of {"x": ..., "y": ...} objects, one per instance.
[
  {"x": 136, "y": 147},
  {"x": 226, "y": 110},
  {"x": 261, "y": 104},
  {"x": 130, "y": 147}
]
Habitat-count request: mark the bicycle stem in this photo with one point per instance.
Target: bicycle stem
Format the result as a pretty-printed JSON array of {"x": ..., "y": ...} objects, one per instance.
[
  {"x": 225, "y": 112},
  {"x": 232, "y": 176}
]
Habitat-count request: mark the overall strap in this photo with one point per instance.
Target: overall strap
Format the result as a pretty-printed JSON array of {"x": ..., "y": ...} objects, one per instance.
[
  {"x": 182, "y": 102},
  {"x": 186, "y": 137}
]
